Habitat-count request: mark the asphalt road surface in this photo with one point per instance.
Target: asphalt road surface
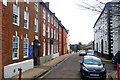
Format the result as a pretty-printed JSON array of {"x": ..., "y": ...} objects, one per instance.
[{"x": 70, "y": 69}]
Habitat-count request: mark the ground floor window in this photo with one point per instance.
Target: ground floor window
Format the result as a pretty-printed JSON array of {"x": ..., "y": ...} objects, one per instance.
[
  {"x": 25, "y": 47},
  {"x": 15, "y": 49}
]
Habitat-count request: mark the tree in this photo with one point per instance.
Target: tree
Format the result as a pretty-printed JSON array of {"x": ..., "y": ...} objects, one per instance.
[{"x": 92, "y": 5}]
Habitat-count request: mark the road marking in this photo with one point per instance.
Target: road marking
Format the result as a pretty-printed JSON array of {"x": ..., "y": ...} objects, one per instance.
[
  {"x": 110, "y": 73},
  {"x": 50, "y": 70}
]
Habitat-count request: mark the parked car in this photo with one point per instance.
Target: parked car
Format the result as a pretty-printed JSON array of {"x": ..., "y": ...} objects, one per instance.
[
  {"x": 90, "y": 52},
  {"x": 82, "y": 52},
  {"x": 92, "y": 67},
  {"x": 116, "y": 57}
]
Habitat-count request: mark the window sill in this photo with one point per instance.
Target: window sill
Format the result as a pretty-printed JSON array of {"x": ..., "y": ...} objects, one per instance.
[
  {"x": 36, "y": 31},
  {"x": 15, "y": 58},
  {"x": 25, "y": 56},
  {"x": 26, "y": 28},
  {"x": 16, "y": 24}
]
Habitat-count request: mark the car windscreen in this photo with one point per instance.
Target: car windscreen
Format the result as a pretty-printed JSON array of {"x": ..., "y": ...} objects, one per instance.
[
  {"x": 90, "y": 51},
  {"x": 82, "y": 51},
  {"x": 91, "y": 60}
]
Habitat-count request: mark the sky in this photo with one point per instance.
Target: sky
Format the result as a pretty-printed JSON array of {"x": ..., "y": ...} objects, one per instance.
[{"x": 79, "y": 22}]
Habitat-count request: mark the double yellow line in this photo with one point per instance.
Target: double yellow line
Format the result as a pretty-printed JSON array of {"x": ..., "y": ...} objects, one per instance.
[{"x": 41, "y": 77}]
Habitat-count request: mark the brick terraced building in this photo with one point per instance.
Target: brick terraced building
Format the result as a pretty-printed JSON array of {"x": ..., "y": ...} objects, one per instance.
[{"x": 30, "y": 34}]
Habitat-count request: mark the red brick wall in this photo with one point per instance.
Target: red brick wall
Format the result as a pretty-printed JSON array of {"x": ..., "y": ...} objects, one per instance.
[
  {"x": 46, "y": 36},
  {"x": 8, "y": 30},
  {"x": 60, "y": 40},
  {"x": 1, "y": 67},
  {"x": 64, "y": 45}
]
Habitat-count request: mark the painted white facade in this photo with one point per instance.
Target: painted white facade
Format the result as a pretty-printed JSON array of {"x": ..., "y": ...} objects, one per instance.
[
  {"x": 12, "y": 69},
  {"x": 107, "y": 29},
  {"x": 101, "y": 33}
]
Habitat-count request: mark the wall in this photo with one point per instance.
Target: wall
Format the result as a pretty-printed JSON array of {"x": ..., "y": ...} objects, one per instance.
[
  {"x": 60, "y": 40},
  {"x": 1, "y": 69},
  {"x": 9, "y": 29}
]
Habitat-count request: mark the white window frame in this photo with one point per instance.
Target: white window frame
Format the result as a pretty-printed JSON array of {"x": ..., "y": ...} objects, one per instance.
[
  {"x": 48, "y": 31},
  {"x": 51, "y": 49},
  {"x": 44, "y": 51},
  {"x": 48, "y": 48},
  {"x": 51, "y": 32},
  {"x": 44, "y": 14},
  {"x": 36, "y": 6},
  {"x": 54, "y": 22},
  {"x": 27, "y": 47},
  {"x": 14, "y": 58},
  {"x": 44, "y": 29},
  {"x": 57, "y": 25},
  {"x": 54, "y": 34},
  {"x": 51, "y": 20},
  {"x": 48, "y": 17},
  {"x": 54, "y": 47},
  {"x": 57, "y": 35},
  {"x": 27, "y": 1},
  {"x": 27, "y": 19},
  {"x": 36, "y": 24},
  {"x": 57, "y": 47},
  {"x": 18, "y": 20},
  {"x": 5, "y": 2}
]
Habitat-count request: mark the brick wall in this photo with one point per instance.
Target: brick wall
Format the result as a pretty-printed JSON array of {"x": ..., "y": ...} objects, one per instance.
[
  {"x": 64, "y": 44},
  {"x": 60, "y": 40},
  {"x": 9, "y": 30},
  {"x": 1, "y": 40}
]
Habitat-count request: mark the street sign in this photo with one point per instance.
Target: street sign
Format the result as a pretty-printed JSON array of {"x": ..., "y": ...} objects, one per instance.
[{"x": 30, "y": 51}]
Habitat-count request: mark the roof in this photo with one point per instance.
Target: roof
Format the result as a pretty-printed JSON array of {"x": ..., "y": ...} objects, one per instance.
[
  {"x": 90, "y": 43},
  {"x": 59, "y": 22},
  {"x": 106, "y": 5}
]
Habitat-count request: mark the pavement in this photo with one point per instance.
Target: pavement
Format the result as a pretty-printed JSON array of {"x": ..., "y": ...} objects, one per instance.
[
  {"x": 40, "y": 70},
  {"x": 113, "y": 74}
]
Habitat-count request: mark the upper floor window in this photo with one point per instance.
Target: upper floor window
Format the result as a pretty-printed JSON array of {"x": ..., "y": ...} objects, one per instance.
[
  {"x": 27, "y": 1},
  {"x": 54, "y": 23},
  {"x": 51, "y": 20},
  {"x": 44, "y": 48},
  {"x": 48, "y": 17},
  {"x": 57, "y": 35},
  {"x": 25, "y": 47},
  {"x": 5, "y": 2},
  {"x": 44, "y": 14},
  {"x": 51, "y": 33},
  {"x": 15, "y": 53},
  {"x": 26, "y": 19},
  {"x": 57, "y": 25},
  {"x": 54, "y": 34},
  {"x": 44, "y": 29},
  {"x": 48, "y": 32},
  {"x": 36, "y": 6},
  {"x": 15, "y": 14},
  {"x": 48, "y": 48},
  {"x": 36, "y": 25}
]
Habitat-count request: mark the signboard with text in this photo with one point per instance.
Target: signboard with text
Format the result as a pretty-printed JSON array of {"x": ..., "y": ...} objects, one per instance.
[{"x": 30, "y": 51}]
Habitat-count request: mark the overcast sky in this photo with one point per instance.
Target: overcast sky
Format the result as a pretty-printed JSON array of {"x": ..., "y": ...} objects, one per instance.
[{"x": 79, "y": 22}]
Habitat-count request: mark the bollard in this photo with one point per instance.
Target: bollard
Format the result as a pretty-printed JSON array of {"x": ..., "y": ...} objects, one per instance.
[
  {"x": 101, "y": 54},
  {"x": 118, "y": 70},
  {"x": 20, "y": 73}
]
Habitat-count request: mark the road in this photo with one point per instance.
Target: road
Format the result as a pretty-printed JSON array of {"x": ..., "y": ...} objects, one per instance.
[{"x": 70, "y": 69}]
